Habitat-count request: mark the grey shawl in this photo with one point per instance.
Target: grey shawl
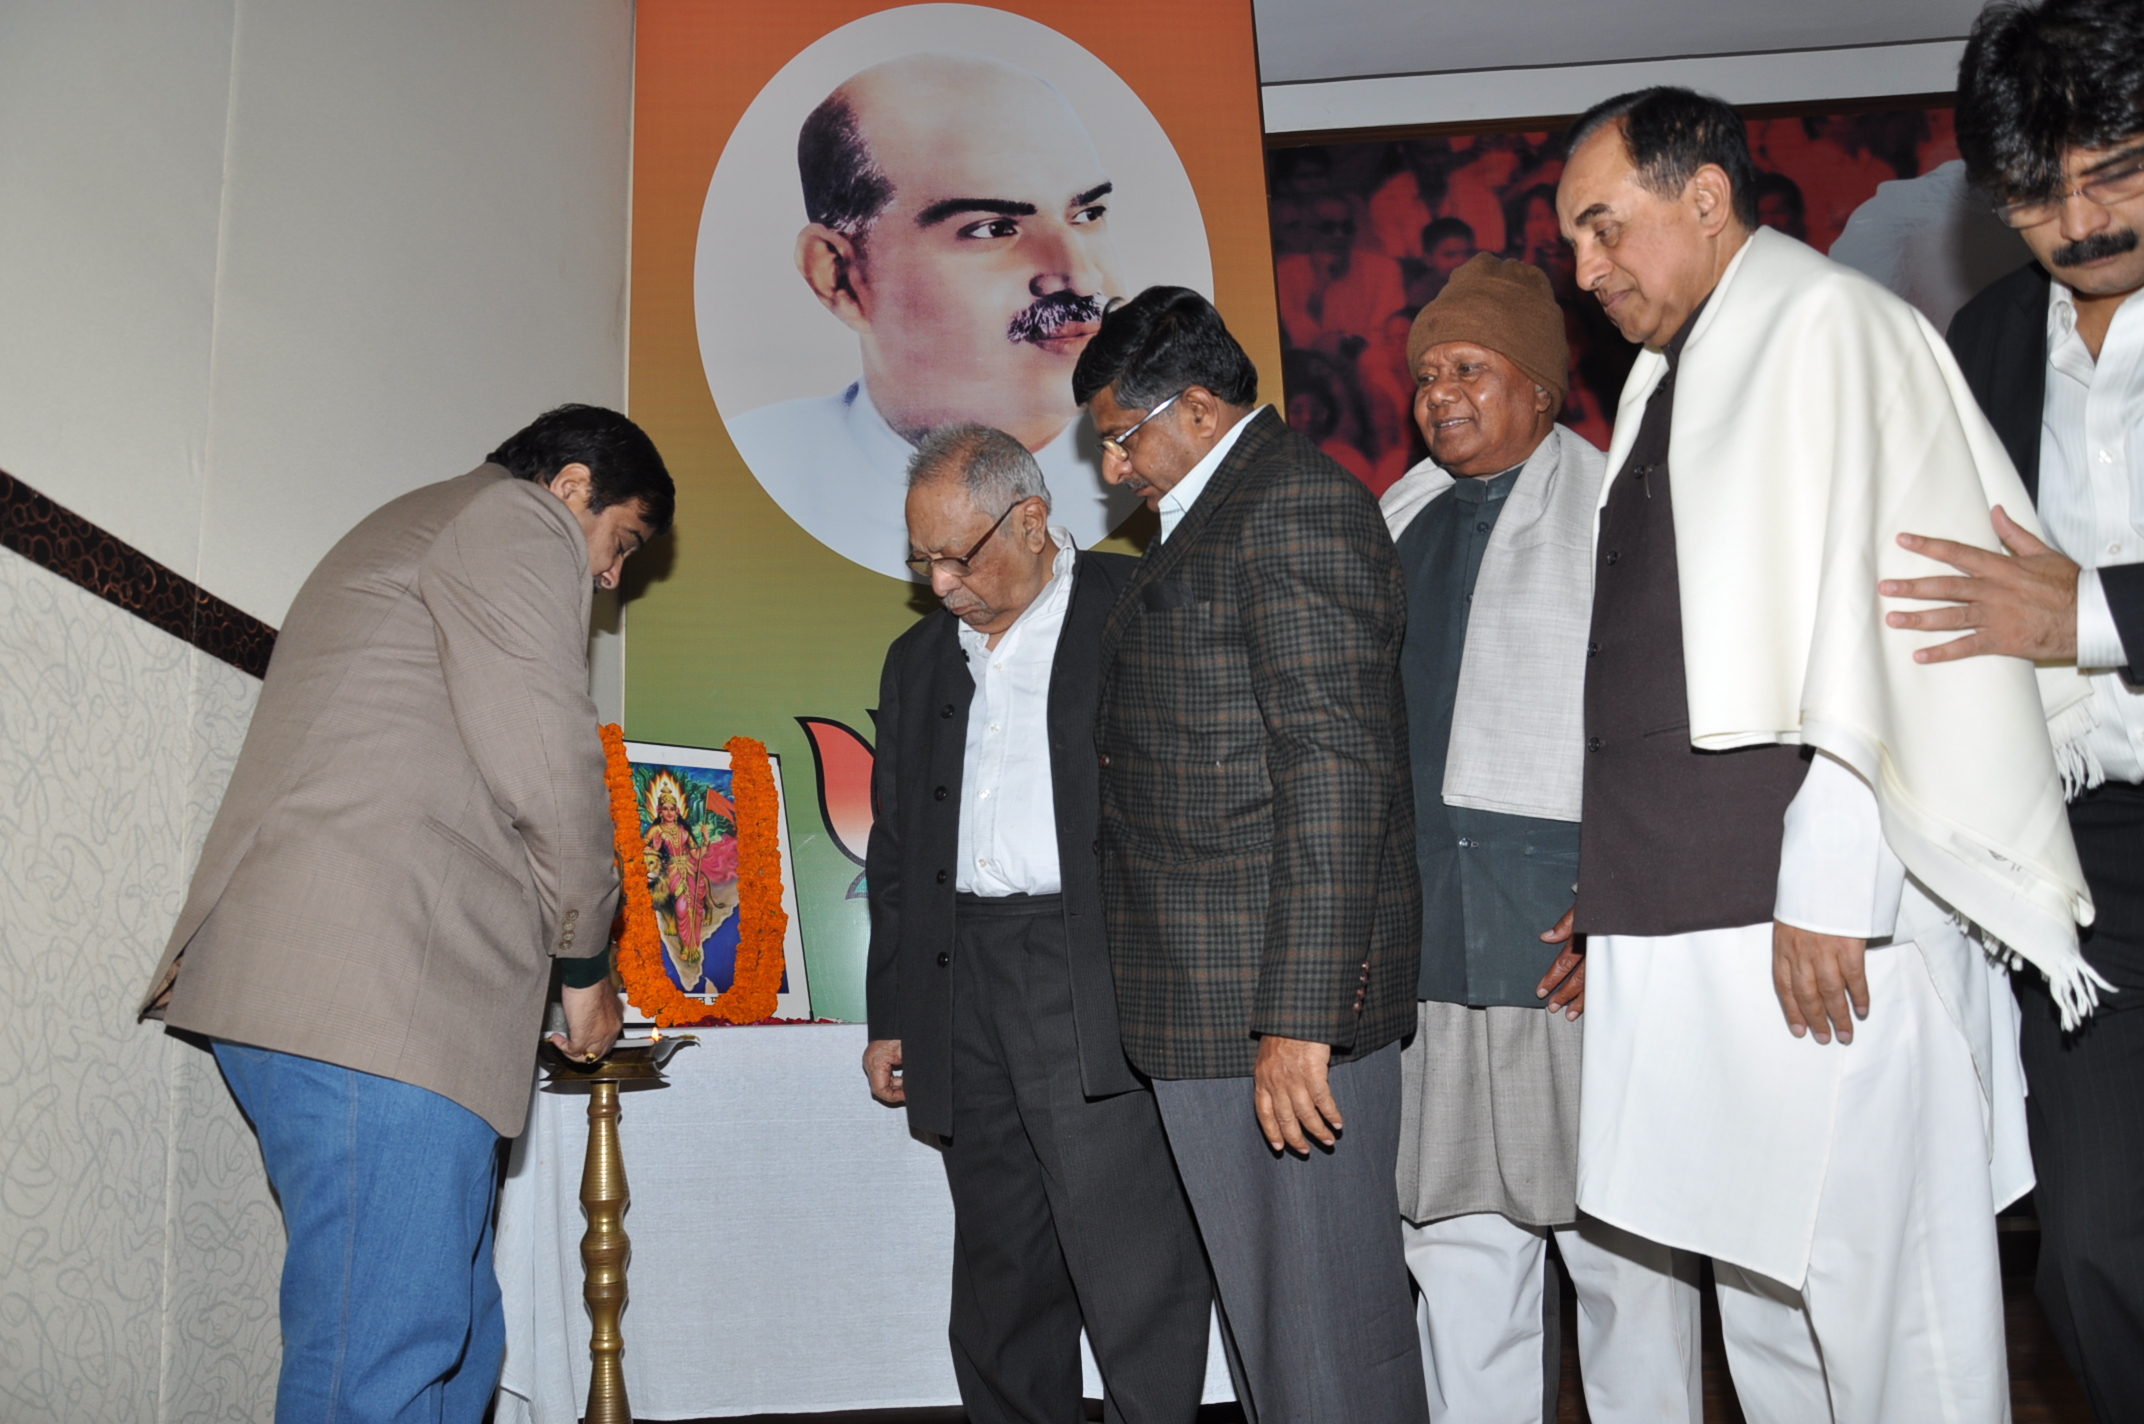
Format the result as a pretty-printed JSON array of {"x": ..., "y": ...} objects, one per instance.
[{"x": 1518, "y": 731}]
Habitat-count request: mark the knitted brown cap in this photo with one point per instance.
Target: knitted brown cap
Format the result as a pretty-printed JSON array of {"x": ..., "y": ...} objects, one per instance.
[{"x": 1506, "y": 306}]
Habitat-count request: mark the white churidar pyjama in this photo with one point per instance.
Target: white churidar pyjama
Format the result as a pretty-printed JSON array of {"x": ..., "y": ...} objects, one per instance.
[
  {"x": 1846, "y": 1192},
  {"x": 1480, "y": 1312}
]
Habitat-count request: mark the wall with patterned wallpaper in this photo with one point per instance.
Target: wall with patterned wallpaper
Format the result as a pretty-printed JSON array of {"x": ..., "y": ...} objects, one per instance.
[{"x": 139, "y": 1248}]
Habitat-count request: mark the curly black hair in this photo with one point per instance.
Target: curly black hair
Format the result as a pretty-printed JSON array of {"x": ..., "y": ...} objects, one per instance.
[{"x": 2037, "y": 80}]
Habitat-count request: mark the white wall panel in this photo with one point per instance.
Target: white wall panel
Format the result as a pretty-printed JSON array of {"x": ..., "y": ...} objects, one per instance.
[
  {"x": 425, "y": 246},
  {"x": 1489, "y": 95},
  {"x": 1330, "y": 39},
  {"x": 112, "y": 122}
]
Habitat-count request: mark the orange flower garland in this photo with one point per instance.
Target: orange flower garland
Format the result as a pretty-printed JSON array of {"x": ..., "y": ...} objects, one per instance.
[{"x": 762, "y": 923}]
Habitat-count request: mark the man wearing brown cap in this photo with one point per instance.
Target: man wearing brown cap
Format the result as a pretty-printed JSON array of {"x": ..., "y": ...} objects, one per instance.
[{"x": 1495, "y": 538}]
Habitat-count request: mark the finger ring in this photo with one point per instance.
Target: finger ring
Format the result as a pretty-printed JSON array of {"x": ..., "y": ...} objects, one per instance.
[{"x": 590, "y": 1056}]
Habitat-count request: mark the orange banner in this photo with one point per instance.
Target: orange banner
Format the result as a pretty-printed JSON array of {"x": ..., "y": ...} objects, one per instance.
[{"x": 853, "y": 222}]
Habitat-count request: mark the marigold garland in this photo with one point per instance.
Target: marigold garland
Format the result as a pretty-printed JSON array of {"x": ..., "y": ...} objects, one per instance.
[{"x": 762, "y": 923}]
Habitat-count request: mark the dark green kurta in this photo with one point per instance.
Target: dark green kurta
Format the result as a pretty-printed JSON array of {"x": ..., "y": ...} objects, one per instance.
[{"x": 1491, "y": 882}]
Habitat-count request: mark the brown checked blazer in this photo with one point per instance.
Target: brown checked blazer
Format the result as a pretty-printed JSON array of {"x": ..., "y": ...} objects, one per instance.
[
  {"x": 1258, "y": 864},
  {"x": 418, "y": 821}
]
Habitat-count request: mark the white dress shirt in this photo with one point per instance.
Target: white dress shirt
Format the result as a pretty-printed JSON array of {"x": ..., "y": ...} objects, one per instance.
[
  {"x": 2091, "y": 500},
  {"x": 1178, "y": 501},
  {"x": 1008, "y": 801}
]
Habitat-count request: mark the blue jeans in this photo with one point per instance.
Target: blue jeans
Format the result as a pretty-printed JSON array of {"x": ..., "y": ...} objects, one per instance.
[{"x": 390, "y": 1306}]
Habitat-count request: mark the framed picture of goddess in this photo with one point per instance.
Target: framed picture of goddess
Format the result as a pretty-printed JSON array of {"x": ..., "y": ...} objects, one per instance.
[{"x": 690, "y": 828}]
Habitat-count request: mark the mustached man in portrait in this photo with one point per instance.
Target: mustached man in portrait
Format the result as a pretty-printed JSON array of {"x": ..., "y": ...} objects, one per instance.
[{"x": 958, "y": 224}]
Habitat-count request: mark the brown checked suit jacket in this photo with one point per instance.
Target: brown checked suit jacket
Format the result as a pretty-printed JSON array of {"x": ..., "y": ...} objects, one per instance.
[
  {"x": 418, "y": 820},
  {"x": 1258, "y": 863}
]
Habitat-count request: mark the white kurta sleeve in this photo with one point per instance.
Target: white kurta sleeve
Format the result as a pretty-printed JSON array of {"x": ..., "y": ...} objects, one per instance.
[{"x": 1836, "y": 874}]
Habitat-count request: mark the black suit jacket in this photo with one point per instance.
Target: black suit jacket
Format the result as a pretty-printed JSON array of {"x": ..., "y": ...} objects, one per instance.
[
  {"x": 2000, "y": 340},
  {"x": 915, "y": 831},
  {"x": 1257, "y": 806}
]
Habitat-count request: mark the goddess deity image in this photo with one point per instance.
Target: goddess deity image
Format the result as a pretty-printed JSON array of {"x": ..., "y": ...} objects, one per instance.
[{"x": 692, "y": 878}]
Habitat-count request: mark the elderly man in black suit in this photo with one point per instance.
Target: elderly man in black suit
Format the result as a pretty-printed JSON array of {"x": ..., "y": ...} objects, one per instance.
[
  {"x": 2051, "y": 123},
  {"x": 992, "y": 1014},
  {"x": 1258, "y": 857}
]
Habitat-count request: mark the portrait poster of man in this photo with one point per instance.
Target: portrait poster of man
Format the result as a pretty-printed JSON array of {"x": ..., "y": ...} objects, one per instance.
[
  {"x": 688, "y": 828},
  {"x": 1367, "y": 233},
  {"x": 853, "y": 223},
  {"x": 957, "y": 217}
]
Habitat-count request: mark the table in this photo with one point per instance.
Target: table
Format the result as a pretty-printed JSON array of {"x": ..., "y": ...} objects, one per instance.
[{"x": 792, "y": 1243}]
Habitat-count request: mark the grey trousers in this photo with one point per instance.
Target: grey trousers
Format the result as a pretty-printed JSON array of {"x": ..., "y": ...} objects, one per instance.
[
  {"x": 1065, "y": 1208},
  {"x": 1316, "y": 1308}
]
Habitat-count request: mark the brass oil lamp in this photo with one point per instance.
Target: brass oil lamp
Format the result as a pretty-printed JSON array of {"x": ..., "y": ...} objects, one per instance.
[{"x": 605, "y": 1248}]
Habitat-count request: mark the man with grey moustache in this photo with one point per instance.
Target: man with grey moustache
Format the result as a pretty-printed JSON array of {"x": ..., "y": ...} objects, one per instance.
[{"x": 957, "y": 222}]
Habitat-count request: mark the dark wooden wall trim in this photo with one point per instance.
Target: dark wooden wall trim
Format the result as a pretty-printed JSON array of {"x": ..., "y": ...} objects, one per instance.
[{"x": 58, "y": 539}]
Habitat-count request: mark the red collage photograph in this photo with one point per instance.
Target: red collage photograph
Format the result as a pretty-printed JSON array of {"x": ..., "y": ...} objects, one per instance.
[{"x": 1365, "y": 234}]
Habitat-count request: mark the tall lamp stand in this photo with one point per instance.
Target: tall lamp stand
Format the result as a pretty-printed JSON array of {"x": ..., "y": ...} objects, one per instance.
[{"x": 605, "y": 1248}]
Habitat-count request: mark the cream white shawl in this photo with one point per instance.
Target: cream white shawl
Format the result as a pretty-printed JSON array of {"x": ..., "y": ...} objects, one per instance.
[
  {"x": 1519, "y": 723},
  {"x": 1816, "y": 417}
]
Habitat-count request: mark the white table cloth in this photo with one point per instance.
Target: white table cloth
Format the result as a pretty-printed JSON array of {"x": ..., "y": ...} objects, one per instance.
[{"x": 792, "y": 1244}]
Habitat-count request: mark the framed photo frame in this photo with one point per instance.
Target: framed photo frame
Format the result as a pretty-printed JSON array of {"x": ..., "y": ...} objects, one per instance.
[{"x": 689, "y": 826}]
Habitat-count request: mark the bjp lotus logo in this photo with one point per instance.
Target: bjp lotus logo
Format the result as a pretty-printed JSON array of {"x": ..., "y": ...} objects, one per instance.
[{"x": 843, "y": 759}]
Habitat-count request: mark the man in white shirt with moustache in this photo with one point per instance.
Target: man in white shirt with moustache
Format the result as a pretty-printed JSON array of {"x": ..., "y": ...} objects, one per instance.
[
  {"x": 2051, "y": 126},
  {"x": 993, "y": 1014}
]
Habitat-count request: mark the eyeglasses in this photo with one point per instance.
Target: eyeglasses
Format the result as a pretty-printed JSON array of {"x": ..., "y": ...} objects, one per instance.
[
  {"x": 2120, "y": 180},
  {"x": 1114, "y": 446},
  {"x": 922, "y": 564}
]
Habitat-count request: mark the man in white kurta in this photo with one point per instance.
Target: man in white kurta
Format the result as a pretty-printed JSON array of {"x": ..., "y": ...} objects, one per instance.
[{"x": 1800, "y": 1060}]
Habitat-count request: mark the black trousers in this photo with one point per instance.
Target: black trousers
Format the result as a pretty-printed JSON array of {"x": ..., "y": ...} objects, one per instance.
[
  {"x": 2085, "y": 1111},
  {"x": 1065, "y": 1208}
]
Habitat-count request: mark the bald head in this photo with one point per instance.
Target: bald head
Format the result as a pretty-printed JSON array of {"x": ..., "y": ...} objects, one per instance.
[
  {"x": 957, "y": 214},
  {"x": 918, "y": 112}
]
